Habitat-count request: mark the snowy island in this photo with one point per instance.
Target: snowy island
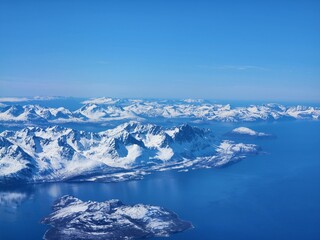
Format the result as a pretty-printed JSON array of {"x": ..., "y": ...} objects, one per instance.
[{"x": 75, "y": 219}]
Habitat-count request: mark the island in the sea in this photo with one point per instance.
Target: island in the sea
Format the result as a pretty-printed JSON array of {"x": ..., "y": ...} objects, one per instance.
[{"x": 76, "y": 219}]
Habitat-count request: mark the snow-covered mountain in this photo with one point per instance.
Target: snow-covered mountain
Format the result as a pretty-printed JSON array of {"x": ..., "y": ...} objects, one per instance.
[
  {"x": 75, "y": 219},
  {"x": 15, "y": 163},
  {"x": 108, "y": 109},
  {"x": 36, "y": 114},
  {"x": 130, "y": 150}
]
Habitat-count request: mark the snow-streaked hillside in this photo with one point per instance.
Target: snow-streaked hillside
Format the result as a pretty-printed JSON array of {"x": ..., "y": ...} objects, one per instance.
[
  {"x": 130, "y": 150},
  {"x": 109, "y": 109}
]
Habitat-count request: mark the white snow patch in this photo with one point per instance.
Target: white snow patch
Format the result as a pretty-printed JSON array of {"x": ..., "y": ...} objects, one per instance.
[
  {"x": 248, "y": 131},
  {"x": 136, "y": 212}
]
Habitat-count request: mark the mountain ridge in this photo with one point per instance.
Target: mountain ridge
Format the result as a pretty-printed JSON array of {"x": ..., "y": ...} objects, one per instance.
[{"x": 59, "y": 154}]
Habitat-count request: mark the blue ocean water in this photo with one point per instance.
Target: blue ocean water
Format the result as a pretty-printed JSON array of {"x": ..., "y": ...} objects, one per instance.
[{"x": 275, "y": 195}]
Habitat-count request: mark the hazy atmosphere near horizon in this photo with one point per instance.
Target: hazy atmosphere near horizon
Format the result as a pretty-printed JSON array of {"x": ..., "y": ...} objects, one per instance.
[
  {"x": 240, "y": 50},
  {"x": 159, "y": 119}
]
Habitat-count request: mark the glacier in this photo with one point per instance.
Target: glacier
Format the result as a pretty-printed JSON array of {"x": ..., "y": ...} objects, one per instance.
[
  {"x": 127, "y": 151},
  {"x": 75, "y": 219}
]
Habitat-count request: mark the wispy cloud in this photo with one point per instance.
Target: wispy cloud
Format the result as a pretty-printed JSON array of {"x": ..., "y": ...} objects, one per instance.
[
  {"x": 25, "y": 99},
  {"x": 13, "y": 99},
  {"x": 234, "y": 67}
]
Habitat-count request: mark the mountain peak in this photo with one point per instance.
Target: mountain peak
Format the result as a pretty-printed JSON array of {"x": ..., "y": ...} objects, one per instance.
[{"x": 186, "y": 133}]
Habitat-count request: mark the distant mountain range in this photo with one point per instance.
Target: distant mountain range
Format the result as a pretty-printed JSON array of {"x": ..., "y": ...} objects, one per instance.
[
  {"x": 130, "y": 150},
  {"x": 109, "y": 109}
]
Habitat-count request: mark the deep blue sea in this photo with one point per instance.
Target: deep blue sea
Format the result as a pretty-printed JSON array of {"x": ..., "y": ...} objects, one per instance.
[{"x": 275, "y": 195}]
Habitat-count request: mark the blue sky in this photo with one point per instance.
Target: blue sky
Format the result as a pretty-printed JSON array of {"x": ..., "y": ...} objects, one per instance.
[{"x": 246, "y": 50}]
